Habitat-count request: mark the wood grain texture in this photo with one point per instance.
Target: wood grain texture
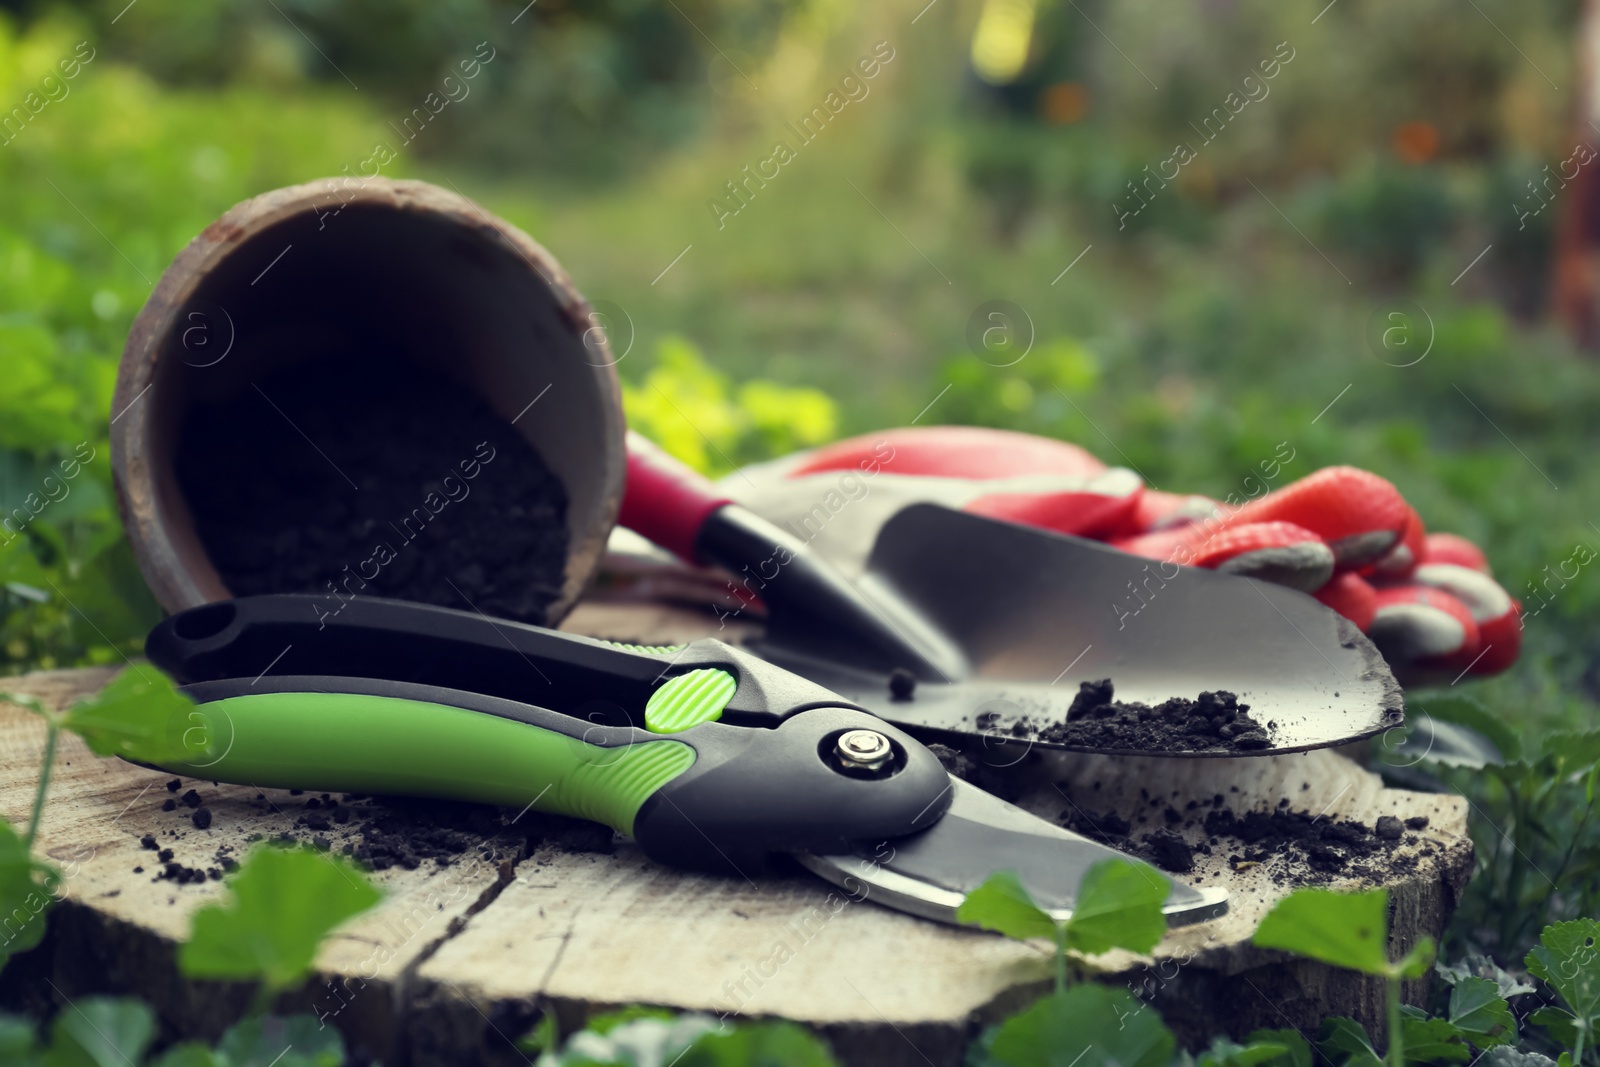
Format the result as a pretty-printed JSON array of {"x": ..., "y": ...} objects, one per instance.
[{"x": 458, "y": 962}]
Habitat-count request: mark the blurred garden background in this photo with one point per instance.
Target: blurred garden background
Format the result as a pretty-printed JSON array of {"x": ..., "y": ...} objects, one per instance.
[{"x": 1386, "y": 163}]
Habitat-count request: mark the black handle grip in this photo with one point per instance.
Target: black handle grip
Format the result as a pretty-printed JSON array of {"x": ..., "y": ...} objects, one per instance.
[{"x": 374, "y": 637}]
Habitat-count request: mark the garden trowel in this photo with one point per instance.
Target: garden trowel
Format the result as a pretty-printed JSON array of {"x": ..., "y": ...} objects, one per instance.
[{"x": 999, "y": 624}]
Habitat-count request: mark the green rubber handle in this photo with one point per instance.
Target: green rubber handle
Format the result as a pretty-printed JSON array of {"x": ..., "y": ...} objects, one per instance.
[{"x": 358, "y": 743}]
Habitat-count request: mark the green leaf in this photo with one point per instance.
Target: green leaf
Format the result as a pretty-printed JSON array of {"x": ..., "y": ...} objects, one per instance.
[
  {"x": 611, "y": 1020},
  {"x": 1415, "y": 964},
  {"x": 1345, "y": 1043},
  {"x": 1225, "y": 1053},
  {"x": 764, "y": 1044},
  {"x": 1088, "y": 1025},
  {"x": 1567, "y": 957},
  {"x": 1468, "y": 712},
  {"x": 1297, "y": 1050},
  {"x": 19, "y": 1041},
  {"x": 648, "y": 1039},
  {"x": 284, "y": 902},
  {"x": 1479, "y": 966},
  {"x": 141, "y": 715},
  {"x": 101, "y": 1032},
  {"x": 1118, "y": 906},
  {"x": 189, "y": 1054},
  {"x": 1572, "y": 751},
  {"x": 1506, "y": 1056},
  {"x": 282, "y": 1041},
  {"x": 1479, "y": 1012},
  {"x": 544, "y": 1037},
  {"x": 1561, "y": 1025},
  {"x": 27, "y": 890},
  {"x": 1433, "y": 1041},
  {"x": 30, "y": 703},
  {"x": 1002, "y": 905},
  {"x": 1344, "y": 929}
]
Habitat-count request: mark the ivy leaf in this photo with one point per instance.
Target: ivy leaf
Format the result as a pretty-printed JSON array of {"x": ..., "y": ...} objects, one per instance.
[
  {"x": 140, "y": 715},
  {"x": 1345, "y": 1043},
  {"x": 1001, "y": 904},
  {"x": 281, "y": 1041},
  {"x": 101, "y": 1032},
  {"x": 1481, "y": 1014},
  {"x": 27, "y": 889},
  {"x": 1568, "y": 959},
  {"x": 1088, "y": 1025},
  {"x": 284, "y": 903},
  {"x": 1118, "y": 906},
  {"x": 1349, "y": 930},
  {"x": 1433, "y": 1040}
]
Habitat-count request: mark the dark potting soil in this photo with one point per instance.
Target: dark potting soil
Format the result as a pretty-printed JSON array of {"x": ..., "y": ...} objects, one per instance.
[
  {"x": 383, "y": 478},
  {"x": 1213, "y": 722},
  {"x": 386, "y": 832},
  {"x": 1295, "y": 847},
  {"x": 976, "y": 772}
]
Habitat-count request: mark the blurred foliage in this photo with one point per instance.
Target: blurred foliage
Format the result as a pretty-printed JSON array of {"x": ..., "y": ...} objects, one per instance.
[
  {"x": 695, "y": 413},
  {"x": 560, "y": 72}
]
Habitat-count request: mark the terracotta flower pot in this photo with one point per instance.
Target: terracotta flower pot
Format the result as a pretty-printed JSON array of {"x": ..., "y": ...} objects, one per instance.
[{"x": 304, "y": 273}]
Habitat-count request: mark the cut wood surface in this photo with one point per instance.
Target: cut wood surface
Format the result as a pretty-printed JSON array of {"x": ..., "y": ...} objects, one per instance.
[{"x": 459, "y": 961}]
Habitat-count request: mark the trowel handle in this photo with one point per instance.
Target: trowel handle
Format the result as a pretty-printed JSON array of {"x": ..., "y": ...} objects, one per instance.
[
  {"x": 806, "y": 597},
  {"x": 665, "y": 500}
]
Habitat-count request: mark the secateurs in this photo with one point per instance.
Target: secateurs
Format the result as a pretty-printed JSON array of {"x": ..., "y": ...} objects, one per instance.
[{"x": 707, "y": 756}]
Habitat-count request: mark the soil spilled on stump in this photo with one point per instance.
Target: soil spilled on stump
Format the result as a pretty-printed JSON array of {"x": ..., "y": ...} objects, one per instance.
[
  {"x": 382, "y": 832},
  {"x": 1295, "y": 848},
  {"x": 383, "y": 478},
  {"x": 1214, "y": 722}
]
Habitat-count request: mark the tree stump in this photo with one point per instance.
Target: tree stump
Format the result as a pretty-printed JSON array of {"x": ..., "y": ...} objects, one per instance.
[{"x": 459, "y": 961}]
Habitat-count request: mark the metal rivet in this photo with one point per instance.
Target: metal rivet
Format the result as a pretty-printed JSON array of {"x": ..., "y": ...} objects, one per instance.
[{"x": 865, "y": 750}]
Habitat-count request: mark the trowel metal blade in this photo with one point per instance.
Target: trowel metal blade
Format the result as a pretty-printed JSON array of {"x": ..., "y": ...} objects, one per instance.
[
  {"x": 1033, "y": 613},
  {"x": 929, "y": 873}
]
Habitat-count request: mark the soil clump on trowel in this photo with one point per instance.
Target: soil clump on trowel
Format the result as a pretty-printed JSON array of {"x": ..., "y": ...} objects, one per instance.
[{"x": 1096, "y": 719}]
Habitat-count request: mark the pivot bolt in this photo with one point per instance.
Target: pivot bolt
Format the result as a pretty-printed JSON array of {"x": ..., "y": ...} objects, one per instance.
[{"x": 865, "y": 750}]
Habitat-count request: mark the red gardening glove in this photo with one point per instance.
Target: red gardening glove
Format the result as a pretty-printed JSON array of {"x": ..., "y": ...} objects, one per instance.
[{"x": 1344, "y": 535}]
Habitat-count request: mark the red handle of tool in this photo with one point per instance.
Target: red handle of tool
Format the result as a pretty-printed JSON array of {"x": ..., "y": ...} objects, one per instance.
[{"x": 665, "y": 500}]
